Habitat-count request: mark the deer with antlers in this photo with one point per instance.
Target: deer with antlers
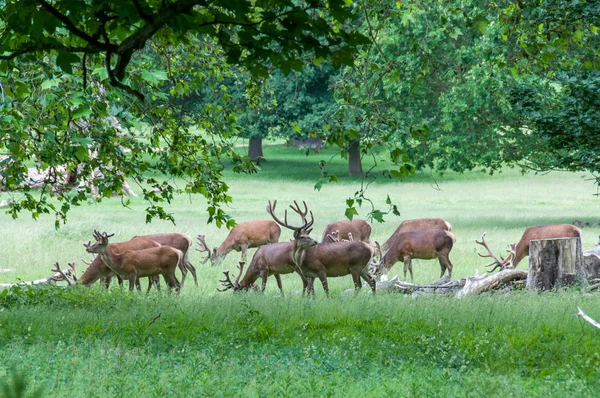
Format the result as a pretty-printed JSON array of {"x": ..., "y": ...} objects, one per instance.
[
  {"x": 428, "y": 244},
  {"x": 133, "y": 264},
  {"x": 244, "y": 236},
  {"x": 521, "y": 250},
  {"x": 273, "y": 259},
  {"x": 97, "y": 269},
  {"x": 323, "y": 260},
  {"x": 419, "y": 224},
  {"x": 347, "y": 230}
]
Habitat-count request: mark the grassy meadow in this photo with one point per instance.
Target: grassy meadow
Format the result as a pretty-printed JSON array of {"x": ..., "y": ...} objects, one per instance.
[{"x": 90, "y": 342}]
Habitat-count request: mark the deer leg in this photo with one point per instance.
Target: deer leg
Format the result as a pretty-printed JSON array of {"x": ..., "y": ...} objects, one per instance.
[
  {"x": 408, "y": 266},
  {"x": 279, "y": 285},
  {"x": 191, "y": 268},
  {"x": 357, "y": 282},
  {"x": 107, "y": 281},
  {"x": 311, "y": 287},
  {"x": 184, "y": 272},
  {"x": 264, "y": 274},
  {"x": 120, "y": 280},
  {"x": 244, "y": 251},
  {"x": 132, "y": 279},
  {"x": 447, "y": 264},
  {"x": 138, "y": 285},
  {"x": 323, "y": 277}
]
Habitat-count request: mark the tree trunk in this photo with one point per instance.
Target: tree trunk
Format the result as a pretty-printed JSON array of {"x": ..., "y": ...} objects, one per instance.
[
  {"x": 255, "y": 151},
  {"x": 555, "y": 263},
  {"x": 354, "y": 162}
]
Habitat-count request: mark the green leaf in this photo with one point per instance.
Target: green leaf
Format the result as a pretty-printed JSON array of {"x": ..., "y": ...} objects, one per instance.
[
  {"x": 350, "y": 213},
  {"x": 82, "y": 111},
  {"x": 65, "y": 61},
  {"x": 378, "y": 215},
  {"x": 47, "y": 84},
  {"x": 154, "y": 76}
]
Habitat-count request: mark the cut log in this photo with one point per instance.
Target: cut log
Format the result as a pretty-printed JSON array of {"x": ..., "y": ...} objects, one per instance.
[
  {"x": 478, "y": 285},
  {"x": 555, "y": 263}
]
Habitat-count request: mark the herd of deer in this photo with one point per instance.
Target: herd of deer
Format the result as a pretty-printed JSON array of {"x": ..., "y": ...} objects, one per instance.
[{"x": 345, "y": 248}]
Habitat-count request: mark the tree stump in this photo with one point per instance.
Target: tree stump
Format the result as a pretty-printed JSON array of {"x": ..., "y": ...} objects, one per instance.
[{"x": 555, "y": 263}]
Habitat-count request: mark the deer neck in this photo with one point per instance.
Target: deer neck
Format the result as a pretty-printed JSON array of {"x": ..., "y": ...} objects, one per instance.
[
  {"x": 299, "y": 254},
  {"x": 111, "y": 259}
]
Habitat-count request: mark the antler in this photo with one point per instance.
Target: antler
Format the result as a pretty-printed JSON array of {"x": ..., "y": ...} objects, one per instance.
[
  {"x": 350, "y": 238},
  {"x": 284, "y": 223},
  {"x": 497, "y": 263},
  {"x": 203, "y": 247},
  {"x": 227, "y": 283},
  {"x": 73, "y": 270},
  {"x": 334, "y": 236},
  {"x": 63, "y": 275}
]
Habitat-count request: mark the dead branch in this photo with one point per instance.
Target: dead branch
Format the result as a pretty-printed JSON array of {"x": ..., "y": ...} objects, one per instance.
[{"x": 587, "y": 318}]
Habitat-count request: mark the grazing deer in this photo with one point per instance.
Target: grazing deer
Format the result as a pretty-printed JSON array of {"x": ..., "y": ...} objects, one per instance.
[
  {"x": 273, "y": 259},
  {"x": 348, "y": 230},
  {"x": 521, "y": 250},
  {"x": 581, "y": 224},
  {"x": 426, "y": 245},
  {"x": 419, "y": 224},
  {"x": 133, "y": 264},
  {"x": 97, "y": 269},
  {"x": 242, "y": 237},
  {"x": 178, "y": 241},
  {"x": 322, "y": 260}
]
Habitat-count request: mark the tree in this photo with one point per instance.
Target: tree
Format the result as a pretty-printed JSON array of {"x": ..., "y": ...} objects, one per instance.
[{"x": 98, "y": 86}]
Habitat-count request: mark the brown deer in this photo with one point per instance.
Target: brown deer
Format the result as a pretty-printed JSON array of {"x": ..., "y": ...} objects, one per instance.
[
  {"x": 133, "y": 264},
  {"x": 97, "y": 269},
  {"x": 426, "y": 245},
  {"x": 242, "y": 237},
  {"x": 178, "y": 241},
  {"x": 521, "y": 250},
  {"x": 322, "y": 260},
  {"x": 273, "y": 259},
  {"x": 419, "y": 224},
  {"x": 348, "y": 230}
]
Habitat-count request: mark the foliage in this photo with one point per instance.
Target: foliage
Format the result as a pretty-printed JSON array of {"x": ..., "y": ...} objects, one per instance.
[{"x": 100, "y": 85}]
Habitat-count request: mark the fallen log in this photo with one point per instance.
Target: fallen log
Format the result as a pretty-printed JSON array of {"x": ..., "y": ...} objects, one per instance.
[
  {"x": 587, "y": 318},
  {"x": 59, "y": 276},
  {"x": 489, "y": 282}
]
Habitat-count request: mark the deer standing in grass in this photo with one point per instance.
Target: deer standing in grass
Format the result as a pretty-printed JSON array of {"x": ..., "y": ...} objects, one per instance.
[
  {"x": 427, "y": 245},
  {"x": 178, "y": 241},
  {"x": 133, "y": 264},
  {"x": 242, "y": 237},
  {"x": 521, "y": 249},
  {"x": 347, "y": 230},
  {"x": 419, "y": 224},
  {"x": 323, "y": 260},
  {"x": 273, "y": 259}
]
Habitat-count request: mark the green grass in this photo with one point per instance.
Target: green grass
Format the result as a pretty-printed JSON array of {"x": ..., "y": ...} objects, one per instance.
[{"x": 89, "y": 342}]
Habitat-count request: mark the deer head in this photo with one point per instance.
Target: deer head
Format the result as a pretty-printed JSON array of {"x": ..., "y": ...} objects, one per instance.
[
  {"x": 228, "y": 284},
  {"x": 101, "y": 242},
  {"x": 301, "y": 233}
]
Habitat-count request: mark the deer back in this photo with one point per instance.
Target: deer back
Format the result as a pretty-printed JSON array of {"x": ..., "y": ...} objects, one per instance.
[
  {"x": 337, "y": 259},
  {"x": 552, "y": 231},
  {"x": 178, "y": 241},
  {"x": 418, "y": 224},
  {"x": 252, "y": 233},
  {"x": 360, "y": 230}
]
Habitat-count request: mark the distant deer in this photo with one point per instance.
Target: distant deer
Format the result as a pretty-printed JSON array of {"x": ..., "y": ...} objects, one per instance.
[
  {"x": 581, "y": 224},
  {"x": 133, "y": 264},
  {"x": 427, "y": 245},
  {"x": 322, "y": 260},
  {"x": 521, "y": 250},
  {"x": 346, "y": 229},
  {"x": 419, "y": 224},
  {"x": 242, "y": 237},
  {"x": 273, "y": 259}
]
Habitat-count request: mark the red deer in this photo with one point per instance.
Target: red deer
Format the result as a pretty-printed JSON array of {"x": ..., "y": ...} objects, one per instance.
[
  {"x": 242, "y": 237},
  {"x": 348, "y": 230},
  {"x": 427, "y": 245},
  {"x": 274, "y": 259},
  {"x": 97, "y": 269},
  {"x": 322, "y": 260},
  {"x": 133, "y": 264},
  {"x": 521, "y": 250},
  {"x": 419, "y": 224},
  {"x": 178, "y": 241}
]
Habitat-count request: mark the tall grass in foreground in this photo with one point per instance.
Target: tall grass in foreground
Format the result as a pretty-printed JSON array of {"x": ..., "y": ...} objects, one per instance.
[{"x": 89, "y": 342}]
